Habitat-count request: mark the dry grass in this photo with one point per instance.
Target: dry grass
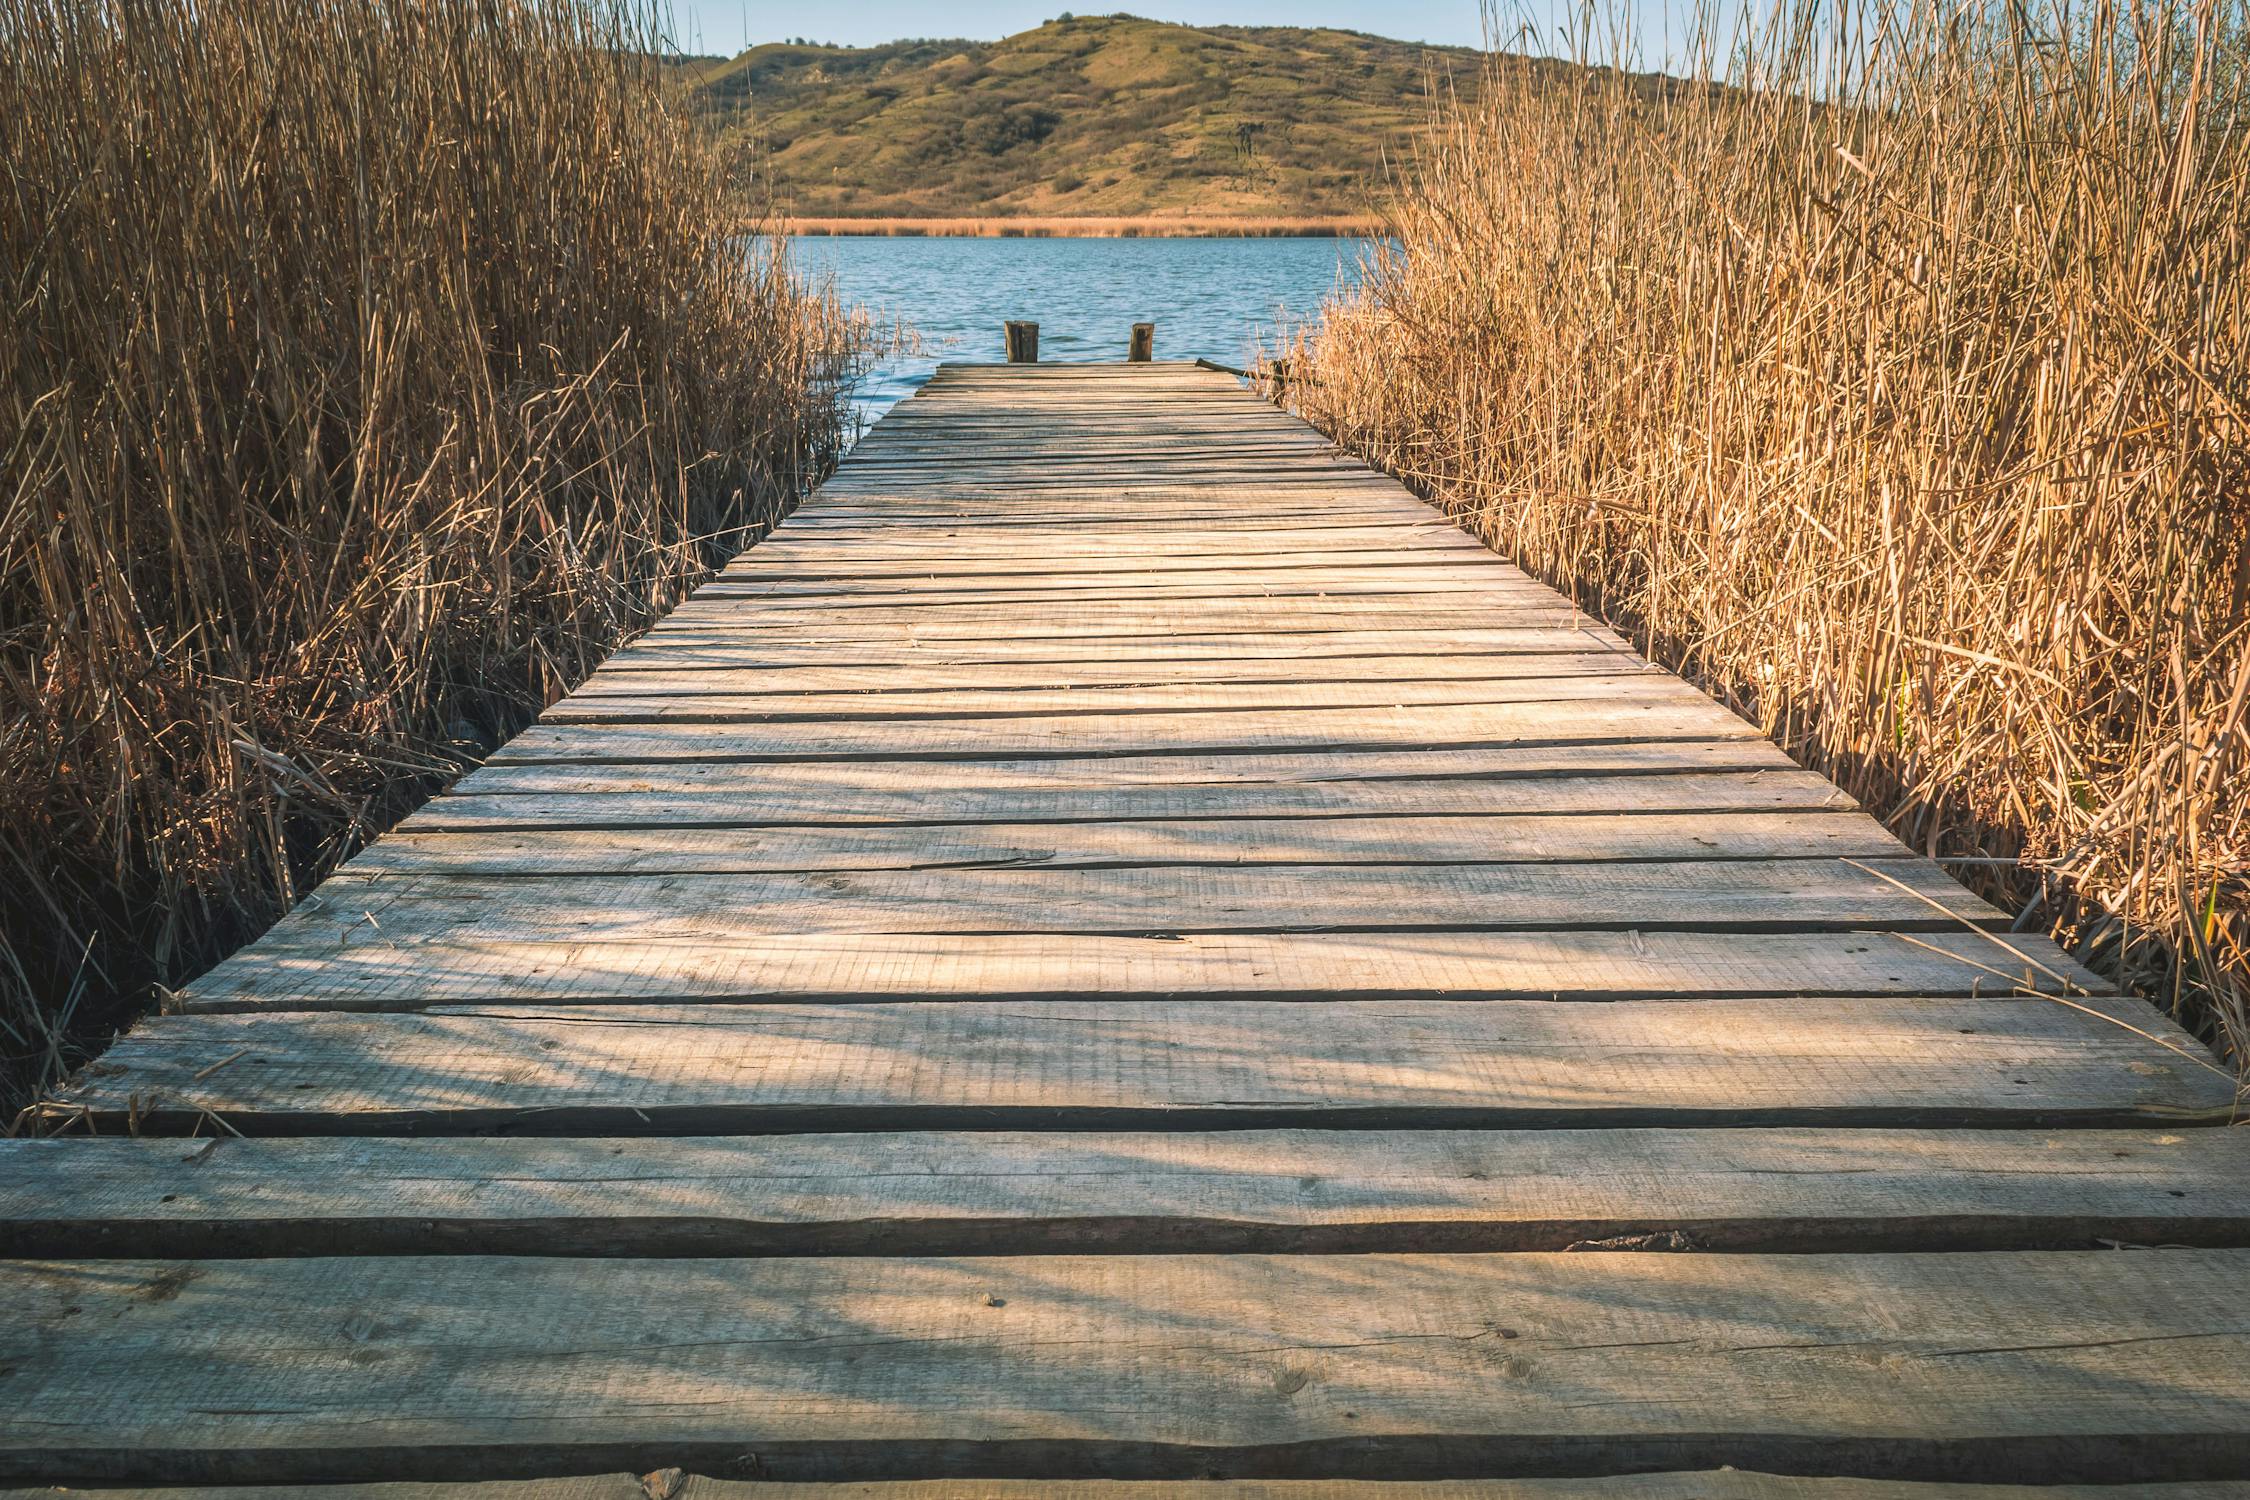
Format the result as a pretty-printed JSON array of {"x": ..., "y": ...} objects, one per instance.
[
  {"x": 1911, "y": 421},
  {"x": 375, "y": 365},
  {"x": 1179, "y": 226}
]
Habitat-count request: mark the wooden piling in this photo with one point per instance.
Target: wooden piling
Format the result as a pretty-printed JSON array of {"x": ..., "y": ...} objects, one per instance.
[
  {"x": 1023, "y": 342},
  {"x": 1143, "y": 347}
]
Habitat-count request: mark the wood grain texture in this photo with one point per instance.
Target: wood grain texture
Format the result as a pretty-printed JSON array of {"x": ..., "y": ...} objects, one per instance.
[
  {"x": 2117, "y": 1366},
  {"x": 986, "y": 618},
  {"x": 1730, "y": 1484},
  {"x": 1362, "y": 551},
  {"x": 1077, "y": 735},
  {"x": 679, "y": 647},
  {"x": 830, "y": 796},
  {"x": 1094, "y": 1065},
  {"x": 652, "y": 841},
  {"x": 576, "y": 1487},
  {"x": 539, "y": 903},
  {"x": 368, "y": 969},
  {"x": 1458, "y": 573},
  {"x": 1181, "y": 544},
  {"x": 1378, "y": 779},
  {"x": 1571, "y": 657},
  {"x": 715, "y": 704},
  {"x": 670, "y": 1484},
  {"x": 1189, "y": 1192}
]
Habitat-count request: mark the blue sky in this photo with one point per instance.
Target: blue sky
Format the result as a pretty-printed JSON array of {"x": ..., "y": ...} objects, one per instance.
[{"x": 726, "y": 26}]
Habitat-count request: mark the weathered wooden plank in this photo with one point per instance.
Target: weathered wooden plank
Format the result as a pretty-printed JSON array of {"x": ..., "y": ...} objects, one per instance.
[
  {"x": 1125, "y": 605},
  {"x": 1174, "y": 423},
  {"x": 1035, "y": 449},
  {"x": 582, "y": 1487},
  {"x": 719, "y": 795},
  {"x": 1725, "y": 1484},
  {"x": 820, "y": 602},
  {"x": 1213, "y": 470},
  {"x": 784, "y": 570},
  {"x": 1154, "y": 408},
  {"x": 933, "y": 426},
  {"x": 1182, "y": 437},
  {"x": 891, "y": 558},
  {"x": 1092, "y": 449},
  {"x": 1443, "y": 726},
  {"x": 680, "y": 647},
  {"x": 877, "y": 549},
  {"x": 1623, "y": 683},
  {"x": 1176, "y": 426},
  {"x": 1477, "y": 585},
  {"x": 370, "y": 970},
  {"x": 1250, "y": 566},
  {"x": 971, "y": 510},
  {"x": 2039, "y": 1367},
  {"x": 1118, "y": 453},
  {"x": 1059, "y": 416},
  {"x": 1106, "y": 482},
  {"x": 1149, "y": 536},
  {"x": 1152, "y": 1064},
  {"x": 1247, "y": 450},
  {"x": 1270, "y": 446},
  {"x": 647, "y": 844},
  {"x": 1409, "y": 573},
  {"x": 1054, "y": 414},
  {"x": 1570, "y": 656},
  {"x": 1022, "y": 1193},
  {"x": 1245, "y": 617},
  {"x": 1201, "y": 498},
  {"x": 1265, "y": 444},
  {"x": 1266, "y": 441},
  {"x": 537, "y": 903},
  {"x": 671, "y": 1484},
  {"x": 1012, "y": 487},
  {"x": 946, "y": 425},
  {"x": 1346, "y": 769}
]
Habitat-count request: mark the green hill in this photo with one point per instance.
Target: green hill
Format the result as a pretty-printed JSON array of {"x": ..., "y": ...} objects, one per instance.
[{"x": 1092, "y": 116}]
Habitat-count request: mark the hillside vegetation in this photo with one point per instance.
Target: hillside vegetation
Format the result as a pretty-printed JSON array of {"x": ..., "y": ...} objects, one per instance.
[{"x": 1097, "y": 116}]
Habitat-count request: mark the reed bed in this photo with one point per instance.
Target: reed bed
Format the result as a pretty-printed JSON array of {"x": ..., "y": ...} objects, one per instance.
[
  {"x": 376, "y": 365},
  {"x": 1886, "y": 373}
]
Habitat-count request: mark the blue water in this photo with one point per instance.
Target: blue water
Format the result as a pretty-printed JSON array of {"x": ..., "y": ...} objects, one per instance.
[{"x": 1209, "y": 299}]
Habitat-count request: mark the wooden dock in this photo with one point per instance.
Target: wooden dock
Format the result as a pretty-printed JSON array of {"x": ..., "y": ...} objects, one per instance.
[{"x": 1119, "y": 944}]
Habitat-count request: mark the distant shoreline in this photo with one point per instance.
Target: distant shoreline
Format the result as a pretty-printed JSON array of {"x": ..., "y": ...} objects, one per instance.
[{"x": 1154, "y": 227}]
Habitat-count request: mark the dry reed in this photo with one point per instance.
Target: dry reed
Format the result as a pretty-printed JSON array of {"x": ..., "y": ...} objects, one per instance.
[
  {"x": 1888, "y": 375},
  {"x": 375, "y": 365}
]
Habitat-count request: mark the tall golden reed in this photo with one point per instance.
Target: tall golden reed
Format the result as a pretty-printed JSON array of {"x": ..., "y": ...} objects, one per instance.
[
  {"x": 373, "y": 366},
  {"x": 1890, "y": 376}
]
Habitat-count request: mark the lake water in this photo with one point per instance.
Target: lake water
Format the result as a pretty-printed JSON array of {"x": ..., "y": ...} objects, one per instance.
[{"x": 1209, "y": 299}]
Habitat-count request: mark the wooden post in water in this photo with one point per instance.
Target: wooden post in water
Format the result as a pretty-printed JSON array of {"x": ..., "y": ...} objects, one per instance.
[
  {"x": 1023, "y": 343},
  {"x": 1143, "y": 347}
]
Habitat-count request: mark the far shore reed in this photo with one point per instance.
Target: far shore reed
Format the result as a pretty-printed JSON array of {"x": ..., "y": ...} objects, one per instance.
[
  {"x": 375, "y": 367},
  {"x": 1891, "y": 377}
]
